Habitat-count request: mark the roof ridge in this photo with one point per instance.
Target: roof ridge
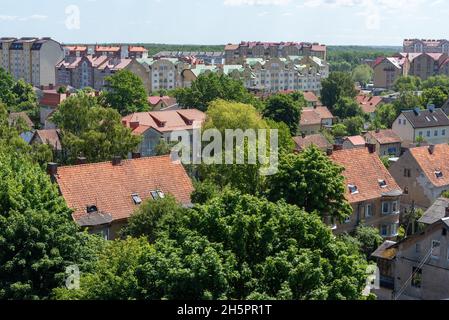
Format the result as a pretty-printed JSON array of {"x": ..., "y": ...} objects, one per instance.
[{"x": 105, "y": 162}]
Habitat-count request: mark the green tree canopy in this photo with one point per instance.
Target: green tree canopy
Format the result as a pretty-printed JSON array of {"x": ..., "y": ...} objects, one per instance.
[
  {"x": 346, "y": 108},
  {"x": 211, "y": 86},
  {"x": 354, "y": 125},
  {"x": 284, "y": 108},
  {"x": 434, "y": 96},
  {"x": 126, "y": 93},
  {"x": 311, "y": 181},
  {"x": 408, "y": 83},
  {"x": 336, "y": 86},
  {"x": 92, "y": 131},
  {"x": 362, "y": 74},
  {"x": 385, "y": 116}
]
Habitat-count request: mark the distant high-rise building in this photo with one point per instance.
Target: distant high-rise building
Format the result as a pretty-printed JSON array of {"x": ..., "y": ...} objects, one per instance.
[{"x": 31, "y": 59}]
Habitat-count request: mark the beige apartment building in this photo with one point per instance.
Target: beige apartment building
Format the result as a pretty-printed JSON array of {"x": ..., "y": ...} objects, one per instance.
[
  {"x": 387, "y": 70},
  {"x": 236, "y": 53},
  {"x": 31, "y": 59}
]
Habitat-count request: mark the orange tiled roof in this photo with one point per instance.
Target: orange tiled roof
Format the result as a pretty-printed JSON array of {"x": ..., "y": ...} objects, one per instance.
[
  {"x": 368, "y": 104},
  {"x": 356, "y": 140},
  {"x": 315, "y": 115},
  {"x": 137, "y": 49},
  {"x": 315, "y": 139},
  {"x": 310, "y": 96},
  {"x": 164, "y": 121},
  {"x": 110, "y": 187},
  {"x": 386, "y": 136},
  {"x": 429, "y": 163},
  {"x": 364, "y": 170}
]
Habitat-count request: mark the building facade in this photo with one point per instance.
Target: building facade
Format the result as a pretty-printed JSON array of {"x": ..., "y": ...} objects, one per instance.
[
  {"x": 426, "y": 46},
  {"x": 31, "y": 59}
]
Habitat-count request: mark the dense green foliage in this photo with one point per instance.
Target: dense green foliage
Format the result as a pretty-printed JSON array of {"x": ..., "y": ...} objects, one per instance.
[
  {"x": 362, "y": 74},
  {"x": 125, "y": 93},
  {"x": 253, "y": 248},
  {"x": 92, "y": 131},
  {"x": 311, "y": 181},
  {"x": 336, "y": 86},
  {"x": 347, "y": 107},
  {"x": 284, "y": 108},
  {"x": 211, "y": 86}
]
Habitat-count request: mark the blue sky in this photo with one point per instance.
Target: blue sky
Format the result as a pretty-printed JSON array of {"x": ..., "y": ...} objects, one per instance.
[{"x": 358, "y": 22}]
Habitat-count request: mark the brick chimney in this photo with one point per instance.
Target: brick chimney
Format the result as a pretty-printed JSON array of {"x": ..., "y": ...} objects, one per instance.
[
  {"x": 136, "y": 155},
  {"x": 371, "y": 147},
  {"x": 52, "y": 170},
  {"x": 446, "y": 215},
  {"x": 116, "y": 160},
  {"x": 329, "y": 151},
  {"x": 303, "y": 135},
  {"x": 432, "y": 149},
  {"x": 81, "y": 160}
]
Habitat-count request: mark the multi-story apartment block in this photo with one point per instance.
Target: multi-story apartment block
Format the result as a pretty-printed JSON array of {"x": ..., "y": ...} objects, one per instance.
[
  {"x": 236, "y": 53},
  {"x": 91, "y": 70},
  {"x": 425, "y": 65},
  {"x": 31, "y": 59},
  {"x": 210, "y": 58},
  {"x": 426, "y": 46},
  {"x": 164, "y": 73},
  {"x": 124, "y": 52},
  {"x": 388, "y": 69}
]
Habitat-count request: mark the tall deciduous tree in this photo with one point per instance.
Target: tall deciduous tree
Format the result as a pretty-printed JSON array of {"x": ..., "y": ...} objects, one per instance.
[
  {"x": 336, "y": 86},
  {"x": 284, "y": 108},
  {"x": 93, "y": 131},
  {"x": 126, "y": 93},
  {"x": 311, "y": 181},
  {"x": 346, "y": 108},
  {"x": 211, "y": 86},
  {"x": 362, "y": 74}
]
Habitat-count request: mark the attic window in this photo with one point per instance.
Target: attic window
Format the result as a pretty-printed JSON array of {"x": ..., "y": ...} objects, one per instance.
[
  {"x": 382, "y": 183},
  {"x": 136, "y": 198},
  {"x": 157, "y": 194},
  {"x": 353, "y": 189},
  {"x": 91, "y": 209},
  {"x": 439, "y": 174},
  {"x": 428, "y": 119}
]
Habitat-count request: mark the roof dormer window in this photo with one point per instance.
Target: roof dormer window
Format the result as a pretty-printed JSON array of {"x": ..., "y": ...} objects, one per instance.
[
  {"x": 157, "y": 194},
  {"x": 353, "y": 189},
  {"x": 136, "y": 198},
  {"x": 439, "y": 174},
  {"x": 382, "y": 183}
]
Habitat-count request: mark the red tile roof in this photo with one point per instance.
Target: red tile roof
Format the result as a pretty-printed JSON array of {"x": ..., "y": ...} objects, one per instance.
[
  {"x": 429, "y": 163},
  {"x": 310, "y": 96},
  {"x": 110, "y": 187},
  {"x": 51, "y": 98},
  {"x": 137, "y": 49},
  {"x": 164, "y": 121},
  {"x": 310, "y": 116},
  {"x": 368, "y": 104},
  {"x": 107, "y": 49},
  {"x": 315, "y": 139},
  {"x": 385, "y": 136},
  {"x": 357, "y": 140},
  {"x": 364, "y": 170}
]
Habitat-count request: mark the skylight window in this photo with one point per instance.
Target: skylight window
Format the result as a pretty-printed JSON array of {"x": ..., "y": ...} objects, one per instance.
[
  {"x": 428, "y": 119},
  {"x": 439, "y": 174},
  {"x": 91, "y": 209},
  {"x": 157, "y": 194},
  {"x": 353, "y": 189},
  {"x": 136, "y": 198},
  {"x": 382, "y": 183}
]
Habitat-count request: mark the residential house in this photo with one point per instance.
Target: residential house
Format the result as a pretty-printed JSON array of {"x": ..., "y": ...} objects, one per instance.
[
  {"x": 157, "y": 125},
  {"x": 311, "y": 99},
  {"x": 209, "y": 58},
  {"x": 15, "y": 117},
  {"x": 423, "y": 174},
  {"x": 31, "y": 59},
  {"x": 158, "y": 103},
  {"x": 318, "y": 140},
  {"x": 387, "y": 142},
  {"x": 369, "y": 104},
  {"x": 104, "y": 195},
  {"x": 50, "y": 101},
  {"x": 425, "y": 65},
  {"x": 314, "y": 119},
  {"x": 372, "y": 192},
  {"x": 51, "y": 137},
  {"x": 354, "y": 142},
  {"x": 388, "y": 69},
  {"x": 417, "y": 268},
  {"x": 431, "y": 125},
  {"x": 78, "y": 72}
]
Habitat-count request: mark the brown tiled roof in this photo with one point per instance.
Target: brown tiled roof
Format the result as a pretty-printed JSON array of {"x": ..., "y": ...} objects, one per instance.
[
  {"x": 426, "y": 118},
  {"x": 164, "y": 121},
  {"x": 314, "y": 115},
  {"x": 110, "y": 188},
  {"x": 429, "y": 163},
  {"x": 310, "y": 96},
  {"x": 315, "y": 139},
  {"x": 50, "y": 137},
  {"x": 368, "y": 104},
  {"x": 364, "y": 170},
  {"x": 385, "y": 136},
  {"x": 357, "y": 140}
]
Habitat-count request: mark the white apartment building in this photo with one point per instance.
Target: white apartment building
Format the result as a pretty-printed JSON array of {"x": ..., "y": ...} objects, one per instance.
[
  {"x": 164, "y": 73},
  {"x": 31, "y": 59}
]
